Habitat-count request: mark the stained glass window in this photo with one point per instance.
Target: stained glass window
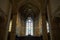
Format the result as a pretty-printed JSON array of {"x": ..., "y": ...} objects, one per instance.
[{"x": 29, "y": 26}]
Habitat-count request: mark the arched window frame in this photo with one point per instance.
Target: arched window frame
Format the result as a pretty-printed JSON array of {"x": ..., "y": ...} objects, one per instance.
[{"x": 29, "y": 26}]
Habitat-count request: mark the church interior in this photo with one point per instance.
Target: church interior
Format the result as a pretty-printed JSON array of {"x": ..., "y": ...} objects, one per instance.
[{"x": 29, "y": 19}]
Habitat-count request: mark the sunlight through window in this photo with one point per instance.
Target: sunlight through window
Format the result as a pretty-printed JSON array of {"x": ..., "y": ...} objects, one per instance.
[
  {"x": 10, "y": 26},
  {"x": 47, "y": 27},
  {"x": 29, "y": 26}
]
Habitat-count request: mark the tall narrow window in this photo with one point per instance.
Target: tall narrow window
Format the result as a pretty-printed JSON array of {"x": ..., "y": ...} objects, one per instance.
[
  {"x": 29, "y": 26},
  {"x": 48, "y": 27},
  {"x": 10, "y": 26}
]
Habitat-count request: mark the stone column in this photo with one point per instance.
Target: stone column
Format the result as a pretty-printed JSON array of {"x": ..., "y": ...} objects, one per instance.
[
  {"x": 43, "y": 14},
  {"x": 23, "y": 27},
  {"x": 14, "y": 19},
  {"x": 40, "y": 25},
  {"x": 4, "y": 22},
  {"x": 33, "y": 27},
  {"x": 37, "y": 31},
  {"x": 44, "y": 28},
  {"x": 13, "y": 30},
  {"x": 18, "y": 27},
  {"x": 20, "y": 23},
  {"x": 54, "y": 23}
]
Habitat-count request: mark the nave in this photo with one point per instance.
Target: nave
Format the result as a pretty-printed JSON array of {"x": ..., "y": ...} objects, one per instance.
[{"x": 29, "y": 19}]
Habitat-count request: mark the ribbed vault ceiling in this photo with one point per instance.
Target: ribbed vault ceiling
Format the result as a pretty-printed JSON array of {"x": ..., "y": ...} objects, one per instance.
[
  {"x": 29, "y": 8},
  {"x": 54, "y": 6}
]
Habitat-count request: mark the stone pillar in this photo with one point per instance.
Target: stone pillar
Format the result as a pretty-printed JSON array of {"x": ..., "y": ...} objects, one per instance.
[
  {"x": 44, "y": 28},
  {"x": 54, "y": 23},
  {"x": 23, "y": 27},
  {"x": 20, "y": 23},
  {"x": 36, "y": 27},
  {"x": 34, "y": 23},
  {"x": 43, "y": 14},
  {"x": 33, "y": 27},
  {"x": 18, "y": 27},
  {"x": 4, "y": 21},
  {"x": 13, "y": 30},
  {"x": 14, "y": 19},
  {"x": 40, "y": 24}
]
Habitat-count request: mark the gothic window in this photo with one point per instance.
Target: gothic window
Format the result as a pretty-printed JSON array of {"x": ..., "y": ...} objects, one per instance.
[
  {"x": 10, "y": 26},
  {"x": 48, "y": 27},
  {"x": 29, "y": 26}
]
